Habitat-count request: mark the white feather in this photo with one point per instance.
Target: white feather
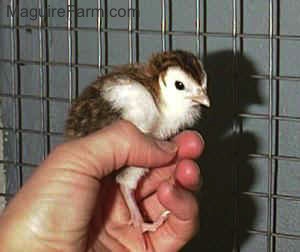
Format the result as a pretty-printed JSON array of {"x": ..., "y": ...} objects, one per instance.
[
  {"x": 138, "y": 107},
  {"x": 135, "y": 101}
]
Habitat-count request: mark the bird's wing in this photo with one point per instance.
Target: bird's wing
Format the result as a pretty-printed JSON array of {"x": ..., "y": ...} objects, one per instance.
[{"x": 135, "y": 102}]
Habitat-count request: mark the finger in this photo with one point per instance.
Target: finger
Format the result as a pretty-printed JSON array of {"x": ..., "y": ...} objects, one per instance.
[
  {"x": 188, "y": 175},
  {"x": 113, "y": 147},
  {"x": 190, "y": 144},
  {"x": 181, "y": 224},
  {"x": 154, "y": 178}
]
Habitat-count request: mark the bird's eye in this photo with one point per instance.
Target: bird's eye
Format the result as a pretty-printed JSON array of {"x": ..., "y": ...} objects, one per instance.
[{"x": 179, "y": 85}]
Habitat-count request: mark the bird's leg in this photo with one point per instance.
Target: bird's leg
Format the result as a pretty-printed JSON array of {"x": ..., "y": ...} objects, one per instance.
[
  {"x": 128, "y": 180},
  {"x": 136, "y": 217}
]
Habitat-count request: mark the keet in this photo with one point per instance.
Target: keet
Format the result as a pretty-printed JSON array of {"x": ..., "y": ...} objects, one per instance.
[{"x": 160, "y": 97}]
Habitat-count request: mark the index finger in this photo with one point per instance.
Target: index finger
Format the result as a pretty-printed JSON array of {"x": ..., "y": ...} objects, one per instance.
[{"x": 190, "y": 144}]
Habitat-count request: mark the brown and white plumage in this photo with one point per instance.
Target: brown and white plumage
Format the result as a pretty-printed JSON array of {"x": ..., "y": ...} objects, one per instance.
[{"x": 160, "y": 98}]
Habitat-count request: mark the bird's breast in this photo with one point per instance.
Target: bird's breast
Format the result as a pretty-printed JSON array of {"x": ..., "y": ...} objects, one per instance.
[{"x": 172, "y": 121}]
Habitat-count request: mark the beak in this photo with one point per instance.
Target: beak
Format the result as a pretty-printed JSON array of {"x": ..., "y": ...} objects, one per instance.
[{"x": 201, "y": 99}]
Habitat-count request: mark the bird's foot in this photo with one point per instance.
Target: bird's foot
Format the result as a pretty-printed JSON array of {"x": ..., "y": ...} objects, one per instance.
[
  {"x": 137, "y": 222},
  {"x": 152, "y": 227},
  {"x": 136, "y": 218}
]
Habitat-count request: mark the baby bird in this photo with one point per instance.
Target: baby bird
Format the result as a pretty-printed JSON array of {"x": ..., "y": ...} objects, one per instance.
[{"x": 160, "y": 97}]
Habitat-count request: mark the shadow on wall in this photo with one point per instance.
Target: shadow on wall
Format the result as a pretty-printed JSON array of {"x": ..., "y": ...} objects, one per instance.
[{"x": 224, "y": 151}]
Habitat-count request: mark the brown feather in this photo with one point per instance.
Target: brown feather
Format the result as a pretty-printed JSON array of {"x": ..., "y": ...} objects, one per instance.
[
  {"x": 187, "y": 61},
  {"x": 89, "y": 112}
]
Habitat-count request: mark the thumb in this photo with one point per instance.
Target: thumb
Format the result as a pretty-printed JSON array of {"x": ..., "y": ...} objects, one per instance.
[{"x": 118, "y": 145}]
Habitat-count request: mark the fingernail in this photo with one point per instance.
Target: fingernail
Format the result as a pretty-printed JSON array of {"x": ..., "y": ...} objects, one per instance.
[{"x": 167, "y": 146}]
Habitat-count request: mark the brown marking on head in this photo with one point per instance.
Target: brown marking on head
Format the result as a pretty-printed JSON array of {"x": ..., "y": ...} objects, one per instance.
[{"x": 188, "y": 62}]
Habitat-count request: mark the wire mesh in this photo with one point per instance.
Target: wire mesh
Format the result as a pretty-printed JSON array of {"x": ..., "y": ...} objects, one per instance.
[{"x": 202, "y": 34}]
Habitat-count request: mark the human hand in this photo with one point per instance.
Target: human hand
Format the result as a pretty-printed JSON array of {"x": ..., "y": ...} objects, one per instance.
[{"x": 72, "y": 203}]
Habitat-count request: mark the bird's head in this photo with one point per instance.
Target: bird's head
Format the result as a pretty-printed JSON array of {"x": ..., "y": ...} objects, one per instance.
[{"x": 182, "y": 81}]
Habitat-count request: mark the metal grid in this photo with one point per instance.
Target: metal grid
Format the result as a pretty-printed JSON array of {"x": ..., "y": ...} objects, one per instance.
[{"x": 200, "y": 31}]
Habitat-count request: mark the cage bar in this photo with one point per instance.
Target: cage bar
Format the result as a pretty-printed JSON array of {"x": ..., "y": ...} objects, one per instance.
[
  {"x": 15, "y": 76},
  {"x": 70, "y": 54},
  {"x": 163, "y": 24},
  {"x": 270, "y": 134},
  {"x": 198, "y": 23},
  {"x": 130, "y": 33},
  {"x": 99, "y": 36},
  {"x": 43, "y": 84},
  {"x": 235, "y": 124}
]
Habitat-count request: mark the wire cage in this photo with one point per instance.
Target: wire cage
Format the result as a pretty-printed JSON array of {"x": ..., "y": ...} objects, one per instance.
[{"x": 250, "y": 48}]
